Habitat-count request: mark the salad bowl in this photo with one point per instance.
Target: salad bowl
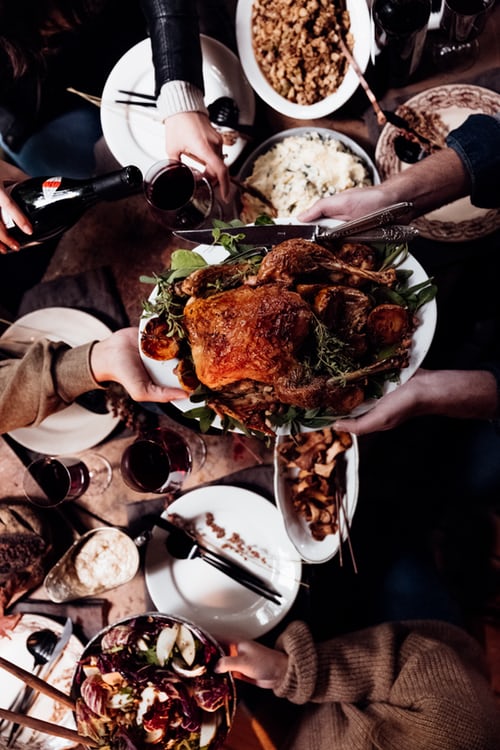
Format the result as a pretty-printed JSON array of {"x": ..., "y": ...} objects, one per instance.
[{"x": 149, "y": 679}]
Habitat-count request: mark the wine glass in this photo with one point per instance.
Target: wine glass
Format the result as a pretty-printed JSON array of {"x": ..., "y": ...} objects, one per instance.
[
  {"x": 180, "y": 196},
  {"x": 462, "y": 22},
  {"x": 50, "y": 481},
  {"x": 160, "y": 459}
]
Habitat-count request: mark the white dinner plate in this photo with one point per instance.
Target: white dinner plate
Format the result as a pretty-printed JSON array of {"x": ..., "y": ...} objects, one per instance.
[
  {"x": 246, "y": 528},
  {"x": 361, "y": 31},
  {"x": 13, "y": 648},
  {"x": 135, "y": 135},
  {"x": 74, "y": 428},
  {"x": 310, "y": 549},
  {"x": 162, "y": 372},
  {"x": 458, "y": 221}
]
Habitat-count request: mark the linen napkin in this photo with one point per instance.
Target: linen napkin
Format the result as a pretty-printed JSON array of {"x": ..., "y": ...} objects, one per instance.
[{"x": 93, "y": 292}]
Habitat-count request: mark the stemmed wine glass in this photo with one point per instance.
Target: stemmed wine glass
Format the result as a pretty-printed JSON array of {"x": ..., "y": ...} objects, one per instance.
[
  {"x": 50, "y": 481},
  {"x": 462, "y": 22},
  {"x": 160, "y": 459},
  {"x": 180, "y": 196}
]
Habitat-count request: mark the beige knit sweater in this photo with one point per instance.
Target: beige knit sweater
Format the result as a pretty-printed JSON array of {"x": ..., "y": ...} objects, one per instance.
[
  {"x": 48, "y": 378},
  {"x": 398, "y": 686}
]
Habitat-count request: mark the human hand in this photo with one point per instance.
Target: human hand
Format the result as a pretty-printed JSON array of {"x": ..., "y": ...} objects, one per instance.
[
  {"x": 461, "y": 394},
  {"x": 348, "y": 204},
  {"x": 255, "y": 663},
  {"x": 117, "y": 358},
  {"x": 9, "y": 175},
  {"x": 192, "y": 133}
]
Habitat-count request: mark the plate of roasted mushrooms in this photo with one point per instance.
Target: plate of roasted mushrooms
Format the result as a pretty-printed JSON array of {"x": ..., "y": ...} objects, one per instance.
[
  {"x": 316, "y": 490},
  {"x": 264, "y": 339}
]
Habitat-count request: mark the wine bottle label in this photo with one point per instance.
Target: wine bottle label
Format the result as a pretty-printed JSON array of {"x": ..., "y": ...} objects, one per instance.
[
  {"x": 50, "y": 187},
  {"x": 7, "y": 219}
]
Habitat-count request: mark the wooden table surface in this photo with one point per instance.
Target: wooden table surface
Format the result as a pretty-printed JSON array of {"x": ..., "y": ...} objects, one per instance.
[{"x": 125, "y": 237}]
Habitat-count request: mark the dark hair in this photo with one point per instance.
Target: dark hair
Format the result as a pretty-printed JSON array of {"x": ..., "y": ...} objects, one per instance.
[{"x": 28, "y": 28}]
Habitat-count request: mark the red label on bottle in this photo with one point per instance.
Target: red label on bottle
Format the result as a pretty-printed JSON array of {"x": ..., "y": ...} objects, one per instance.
[{"x": 50, "y": 186}]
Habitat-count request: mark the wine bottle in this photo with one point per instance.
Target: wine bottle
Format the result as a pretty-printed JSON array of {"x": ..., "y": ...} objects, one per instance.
[
  {"x": 54, "y": 204},
  {"x": 400, "y": 31}
]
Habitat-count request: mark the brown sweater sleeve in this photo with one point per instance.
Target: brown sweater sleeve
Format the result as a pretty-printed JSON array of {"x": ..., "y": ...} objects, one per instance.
[
  {"x": 413, "y": 685},
  {"x": 47, "y": 378}
]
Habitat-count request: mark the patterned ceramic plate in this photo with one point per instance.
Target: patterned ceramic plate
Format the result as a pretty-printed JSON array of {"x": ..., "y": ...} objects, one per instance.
[{"x": 444, "y": 108}]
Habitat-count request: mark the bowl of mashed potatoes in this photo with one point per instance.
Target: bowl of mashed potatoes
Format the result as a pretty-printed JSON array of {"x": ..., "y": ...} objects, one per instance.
[{"x": 294, "y": 168}]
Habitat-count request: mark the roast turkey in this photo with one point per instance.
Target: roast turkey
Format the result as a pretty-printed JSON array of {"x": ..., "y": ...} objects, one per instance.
[{"x": 290, "y": 331}]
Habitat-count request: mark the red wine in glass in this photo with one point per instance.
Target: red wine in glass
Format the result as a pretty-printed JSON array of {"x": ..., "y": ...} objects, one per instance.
[
  {"x": 157, "y": 462},
  {"x": 48, "y": 481},
  {"x": 180, "y": 196}
]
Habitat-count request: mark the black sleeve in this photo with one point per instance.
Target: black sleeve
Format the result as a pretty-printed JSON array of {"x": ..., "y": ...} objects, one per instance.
[
  {"x": 174, "y": 29},
  {"x": 477, "y": 142}
]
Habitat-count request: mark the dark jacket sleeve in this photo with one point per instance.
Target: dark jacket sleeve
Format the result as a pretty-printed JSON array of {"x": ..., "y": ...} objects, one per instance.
[
  {"x": 477, "y": 142},
  {"x": 175, "y": 38}
]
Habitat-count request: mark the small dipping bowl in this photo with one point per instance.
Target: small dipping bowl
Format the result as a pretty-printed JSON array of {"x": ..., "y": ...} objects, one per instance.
[{"x": 100, "y": 560}]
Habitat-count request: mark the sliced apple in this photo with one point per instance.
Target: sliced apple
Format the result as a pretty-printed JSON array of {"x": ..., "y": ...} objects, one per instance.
[
  {"x": 208, "y": 729},
  {"x": 165, "y": 643},
  {"x": 186, "y": 644}
]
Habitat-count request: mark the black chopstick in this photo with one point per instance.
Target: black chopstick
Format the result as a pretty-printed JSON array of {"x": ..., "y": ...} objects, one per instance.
[
  {"x": 151, "y": 97},
  {"x": 136, "y": 104}
]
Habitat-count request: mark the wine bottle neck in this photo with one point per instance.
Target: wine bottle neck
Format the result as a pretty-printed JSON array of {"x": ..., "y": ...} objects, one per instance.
[{"x": 126, "y": 181}]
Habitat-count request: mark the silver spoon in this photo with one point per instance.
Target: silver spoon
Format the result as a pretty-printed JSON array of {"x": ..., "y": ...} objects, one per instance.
[{"x": 41, "y": 645}]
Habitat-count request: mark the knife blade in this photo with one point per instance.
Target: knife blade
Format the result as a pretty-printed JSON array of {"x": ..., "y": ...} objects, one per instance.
[
  {"x": 29, "y": 695},
  {"x": 234, "y": 570},
  {"x": 272, "y": 234}
]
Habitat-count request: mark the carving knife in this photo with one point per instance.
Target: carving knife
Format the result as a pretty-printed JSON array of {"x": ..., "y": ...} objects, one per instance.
[{"x": 376, "y": 226}]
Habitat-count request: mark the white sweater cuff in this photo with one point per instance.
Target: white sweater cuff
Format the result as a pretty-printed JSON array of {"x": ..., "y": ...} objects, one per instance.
[{"x": 180, "y": 96}]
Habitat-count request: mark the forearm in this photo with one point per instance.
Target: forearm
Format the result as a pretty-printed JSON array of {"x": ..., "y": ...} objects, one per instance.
[
  {"x": 412, "y": 685},
  {"x": 439, "y": 179},
  {"x": 48, "y": 378},
  {"x": 461, "y": 394}
]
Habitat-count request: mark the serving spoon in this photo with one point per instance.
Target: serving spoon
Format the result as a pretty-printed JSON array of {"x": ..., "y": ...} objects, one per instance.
[{"x": 409, "y": 145}]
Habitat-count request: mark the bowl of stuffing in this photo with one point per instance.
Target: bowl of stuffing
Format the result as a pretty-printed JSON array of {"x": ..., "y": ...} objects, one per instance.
[{"x": 291, "y": 52}]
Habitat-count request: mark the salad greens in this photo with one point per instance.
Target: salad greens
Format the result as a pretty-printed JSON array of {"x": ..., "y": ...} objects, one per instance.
[{"x": 149, "y": 682}]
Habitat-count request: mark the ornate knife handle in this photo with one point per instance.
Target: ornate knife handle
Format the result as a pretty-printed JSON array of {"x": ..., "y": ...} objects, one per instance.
[
  {"x": 380, "y": 218},
  {"x": 391, "y": 233}
]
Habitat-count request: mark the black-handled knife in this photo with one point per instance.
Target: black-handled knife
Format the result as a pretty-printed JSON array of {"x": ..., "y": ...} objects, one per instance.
[{"x": 183, "y": 545}]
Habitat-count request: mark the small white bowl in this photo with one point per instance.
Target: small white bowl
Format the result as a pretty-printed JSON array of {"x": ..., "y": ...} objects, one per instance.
[{"x": 311, "y": 550}]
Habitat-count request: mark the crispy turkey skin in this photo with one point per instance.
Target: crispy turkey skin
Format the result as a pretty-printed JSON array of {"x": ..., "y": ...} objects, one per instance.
[{"x": 246, "y": 333}]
